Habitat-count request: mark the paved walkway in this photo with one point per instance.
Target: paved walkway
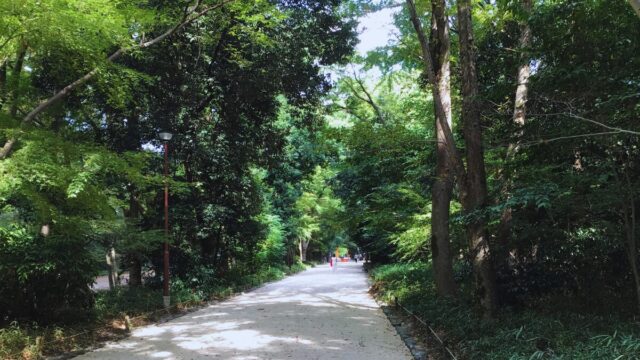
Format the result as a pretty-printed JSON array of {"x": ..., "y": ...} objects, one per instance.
[{"x": 317, "y": 314}]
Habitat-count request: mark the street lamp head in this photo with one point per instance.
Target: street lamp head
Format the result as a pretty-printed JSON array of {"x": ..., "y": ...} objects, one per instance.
[{"x": 165, "y": 135}]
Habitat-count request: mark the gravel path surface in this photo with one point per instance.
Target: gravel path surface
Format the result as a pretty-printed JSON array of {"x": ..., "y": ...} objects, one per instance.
[{"x": 317, "y": 314}]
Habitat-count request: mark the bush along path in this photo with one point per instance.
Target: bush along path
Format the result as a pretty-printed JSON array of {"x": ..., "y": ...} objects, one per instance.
[
  {"x": 535, "y": 333},
  {"x": 119, "y": 311}
]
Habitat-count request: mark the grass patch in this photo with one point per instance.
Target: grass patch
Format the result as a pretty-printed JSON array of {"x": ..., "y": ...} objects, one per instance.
[
  {"x": 143, "y": 305},
  {"x": 541, "y": 333}
]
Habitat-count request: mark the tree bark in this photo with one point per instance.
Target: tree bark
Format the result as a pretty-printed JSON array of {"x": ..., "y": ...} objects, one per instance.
[
  {"x": 476, "y": 179},
  {"x": 630, "y": 227},
  {"x": 443, "y": 185},
  {"x": 303, "y": 245},
  {"x": 132, "y": 142},
  {"x": 3, "y": 82},
  {"x": 15, "y": 79},
  {"x": 135, "y": 271},
  {"x": 113, "y": 268},
  {"x": 519, "y": 120},
  {"x": 453, "y": 156},
  {"x": 636, "y": 5}
]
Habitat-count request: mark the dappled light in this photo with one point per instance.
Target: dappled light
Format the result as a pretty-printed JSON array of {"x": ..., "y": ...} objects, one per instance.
[
  {"x": 313, "y": 315},
  {"x": 186, "y": 179}
]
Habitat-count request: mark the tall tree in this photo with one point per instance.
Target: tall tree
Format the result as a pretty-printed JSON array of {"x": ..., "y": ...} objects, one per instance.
[
  {"x": 518, "y": 121},
  {"x": 440, "y": 45},
  {"x": 476, "y": 178},
  {"x": 484, "y": 284}
]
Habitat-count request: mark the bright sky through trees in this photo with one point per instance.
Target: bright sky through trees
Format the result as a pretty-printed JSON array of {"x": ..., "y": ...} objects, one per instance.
[{"x": 375, "y": 30}]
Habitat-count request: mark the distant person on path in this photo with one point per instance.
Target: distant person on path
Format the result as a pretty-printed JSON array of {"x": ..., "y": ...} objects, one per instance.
[{"x": 334, "y": 261}]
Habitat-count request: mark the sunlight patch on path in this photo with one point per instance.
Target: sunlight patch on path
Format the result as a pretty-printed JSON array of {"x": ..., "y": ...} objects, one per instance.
[{"x": 317, "y": 314}]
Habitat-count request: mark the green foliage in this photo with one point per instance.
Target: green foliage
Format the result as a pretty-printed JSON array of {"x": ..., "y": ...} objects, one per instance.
[
  {"x": 271, "y": 250},
  {"x": 384, "y": 177},
  {"x": 238, "y": 87},
  {"x": 14, "y": 342},
  {"x": 319, "y": 211},
  {"x": 539, "y": 333},
  {"x": 39, "y": 280}
]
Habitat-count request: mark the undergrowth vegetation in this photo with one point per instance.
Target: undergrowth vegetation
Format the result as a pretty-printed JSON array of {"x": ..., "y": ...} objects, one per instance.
[
  {"x": 517, "y": 333},
  {"x": 106, "y": 320}
]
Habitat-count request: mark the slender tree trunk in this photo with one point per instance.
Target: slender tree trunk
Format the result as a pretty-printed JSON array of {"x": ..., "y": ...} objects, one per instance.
[
  {"x": 453, "y": 155},
  {"x": 636, "y": 5},
  {"x": 135, "y": 210},
  {"x": 447, "y": 144},
  {"x": 15, "y": 79},
  {"x": 476, "y": 179},
  {"x": 630, "y": 226},
  {"x": 133, "y": 143},
  {"x": 519, "y": 120},
  {"x": 443, "y": 185},
  {"x": 303, "y": 245},
  {"x": 135, "y": 271},
  {"x": 3, "y": 82},
  {"x": 113, "y": 268}
]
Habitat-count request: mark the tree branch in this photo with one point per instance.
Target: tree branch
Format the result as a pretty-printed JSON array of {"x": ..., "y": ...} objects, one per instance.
[
  {"x": 582, "y": 118},
  {"x": 190, "y": 16},
  {"x": 617, "y": 129},
  {"x": 370, "y": 99},
  {"x": 545, "y": 141}
]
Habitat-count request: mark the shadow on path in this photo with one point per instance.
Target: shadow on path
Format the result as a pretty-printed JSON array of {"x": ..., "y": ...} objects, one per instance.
[{"x": 317, "y": 314}]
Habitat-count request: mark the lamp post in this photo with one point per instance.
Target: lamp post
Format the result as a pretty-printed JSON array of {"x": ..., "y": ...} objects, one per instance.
[{"x": 166, "y": 298}]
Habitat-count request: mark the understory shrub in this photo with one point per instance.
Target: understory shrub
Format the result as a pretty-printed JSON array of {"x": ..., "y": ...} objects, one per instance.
[
  {"x": 39, "y": 279},
  {"x": 542, "y": 332}
]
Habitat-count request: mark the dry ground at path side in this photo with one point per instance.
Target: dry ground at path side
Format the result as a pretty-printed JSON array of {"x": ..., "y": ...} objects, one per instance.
[{"x": 317, "y": 314}]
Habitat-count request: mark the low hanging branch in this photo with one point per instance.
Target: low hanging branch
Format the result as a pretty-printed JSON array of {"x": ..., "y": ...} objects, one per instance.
[{"x": 191, "y": 14}]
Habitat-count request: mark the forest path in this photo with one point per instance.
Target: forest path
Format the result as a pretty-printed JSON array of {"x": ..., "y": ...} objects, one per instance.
[{"x": 317, "y": 314}]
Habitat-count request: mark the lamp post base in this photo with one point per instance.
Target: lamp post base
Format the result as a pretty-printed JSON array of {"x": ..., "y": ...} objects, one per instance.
[{"x": 166, "y": 300}]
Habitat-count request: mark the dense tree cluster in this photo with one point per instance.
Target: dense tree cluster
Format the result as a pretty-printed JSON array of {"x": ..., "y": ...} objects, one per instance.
[
  {"x": 237, "y": 82},
  {"x": 530, "y": 163},
  {"x": 493, "y": 145}
]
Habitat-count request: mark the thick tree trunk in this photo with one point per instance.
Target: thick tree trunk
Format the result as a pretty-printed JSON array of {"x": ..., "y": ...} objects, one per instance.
[
  {"x": 443, "y": 185},
  {"x": 453, "y": 155},
  {"x": 519, "y": 120},
  {"x": 446, "y": 142},
  {"x": 476, "y": 179}
]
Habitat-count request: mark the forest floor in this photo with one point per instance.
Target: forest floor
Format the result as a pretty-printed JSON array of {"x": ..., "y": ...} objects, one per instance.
[
  {"x": 317, "y": 314},
  {"x": 551, "y": 328}
]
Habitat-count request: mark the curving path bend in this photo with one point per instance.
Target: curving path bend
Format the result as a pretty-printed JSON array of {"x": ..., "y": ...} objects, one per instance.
[{"x": 317, "y": 314}]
